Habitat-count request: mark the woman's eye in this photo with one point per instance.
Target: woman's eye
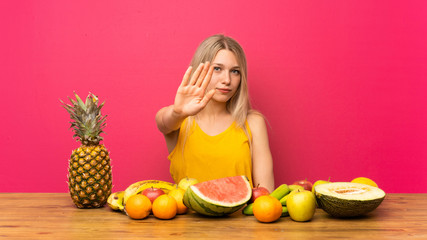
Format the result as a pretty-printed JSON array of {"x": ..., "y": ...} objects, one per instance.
[
  {"x": 235, "y": 71},
  {"x": 217, "y": 68}
]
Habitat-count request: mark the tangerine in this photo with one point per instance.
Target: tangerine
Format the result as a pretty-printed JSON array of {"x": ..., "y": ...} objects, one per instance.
[
  {"x": 267, "y": 209},
  {"x": 164, "y": 207},
  {"x": 178, "y": 194},
  {"x": 364, "y": 180},
  {"x": 138, "y": 206}
]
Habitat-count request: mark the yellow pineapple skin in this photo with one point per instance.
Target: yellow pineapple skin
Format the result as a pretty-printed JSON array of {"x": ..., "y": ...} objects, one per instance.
[{"x": 90, "y": 176}]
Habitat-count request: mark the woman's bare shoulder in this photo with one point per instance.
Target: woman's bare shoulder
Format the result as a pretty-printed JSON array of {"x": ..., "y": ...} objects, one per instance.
[{"x": 256, "y": 121}]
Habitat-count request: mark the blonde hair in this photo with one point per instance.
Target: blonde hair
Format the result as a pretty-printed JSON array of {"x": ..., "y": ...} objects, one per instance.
[{"x": 239, "y": 105}]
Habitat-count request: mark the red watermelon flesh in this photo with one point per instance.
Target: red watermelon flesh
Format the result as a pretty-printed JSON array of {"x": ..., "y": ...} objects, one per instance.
[{"x": 225, "y": 190}]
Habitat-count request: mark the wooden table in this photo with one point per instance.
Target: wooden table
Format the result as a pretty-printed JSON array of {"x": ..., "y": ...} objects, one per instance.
[{"x": 54, "y": 216}]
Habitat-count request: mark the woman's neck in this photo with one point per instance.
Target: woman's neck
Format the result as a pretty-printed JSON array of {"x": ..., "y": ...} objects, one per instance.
[{"x": 213, "y": 111}]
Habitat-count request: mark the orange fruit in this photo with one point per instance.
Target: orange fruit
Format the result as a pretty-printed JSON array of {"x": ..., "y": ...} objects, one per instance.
[
  {"x": 267, "y": 209},
  {"x": 164, "y": 207},
  {"x": 178, "y": 194},
  {"x": 138, "y": 206}
]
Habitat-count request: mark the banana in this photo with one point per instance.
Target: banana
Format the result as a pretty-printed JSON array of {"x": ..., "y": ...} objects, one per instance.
[
  {"x": 285, "y": 212},
  {"x": 138, "y": 187},
  {"x": 284, "y": 199},
  {"x": 115, "y": 201},
  {"x": 280, "y": 191}
]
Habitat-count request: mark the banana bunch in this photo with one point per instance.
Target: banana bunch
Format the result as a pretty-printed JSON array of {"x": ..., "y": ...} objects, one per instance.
[
  {"x": 117, "y": 200},
  {"x": 140, "y": 186},
  {"x": 279, "y": 193}
]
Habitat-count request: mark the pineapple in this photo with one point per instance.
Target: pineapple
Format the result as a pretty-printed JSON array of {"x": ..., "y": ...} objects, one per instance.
[{"x": 89, "y": 172}]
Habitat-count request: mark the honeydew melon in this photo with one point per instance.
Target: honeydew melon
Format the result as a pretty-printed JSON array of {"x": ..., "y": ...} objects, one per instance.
[
  {"x": 345, "y": 199},
  {"x": 218, "y": 197}
]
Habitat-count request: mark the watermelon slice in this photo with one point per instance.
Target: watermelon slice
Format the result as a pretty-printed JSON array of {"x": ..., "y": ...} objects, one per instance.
[{"x": 218, "y": 197}]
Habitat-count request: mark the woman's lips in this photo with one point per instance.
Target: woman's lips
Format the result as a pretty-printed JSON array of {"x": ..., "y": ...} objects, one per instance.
[{"x": 224, "y": 90}]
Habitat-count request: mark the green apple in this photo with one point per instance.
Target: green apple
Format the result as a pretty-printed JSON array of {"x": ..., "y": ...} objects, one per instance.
[
  {"x": 301, "y": 205},
  {"x": 186, "y": 182}
]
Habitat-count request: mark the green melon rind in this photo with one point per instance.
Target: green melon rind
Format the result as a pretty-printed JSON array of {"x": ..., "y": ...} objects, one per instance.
[
  {"x": 196, "y": 203},
  {"x": 349, "y": 208},
  {"x": 339, "y": 207}
]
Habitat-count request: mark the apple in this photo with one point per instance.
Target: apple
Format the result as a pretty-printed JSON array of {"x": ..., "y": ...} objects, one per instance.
[
  {"x": 186, "y": 182},
  {"x": 305, "y": 184},
  {"x": 152, "y": 193},
  {"x": 258, "y": 192},
  {"x": 301, "y": 205}
]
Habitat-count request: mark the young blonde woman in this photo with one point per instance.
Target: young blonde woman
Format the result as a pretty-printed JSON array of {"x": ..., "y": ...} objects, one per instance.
[{"x": 210, "y": 129}]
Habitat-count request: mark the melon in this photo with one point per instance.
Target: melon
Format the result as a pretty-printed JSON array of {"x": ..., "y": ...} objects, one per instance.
[
  {"x": 345, "y": 199},
  {"x": 218, "y": 197}
]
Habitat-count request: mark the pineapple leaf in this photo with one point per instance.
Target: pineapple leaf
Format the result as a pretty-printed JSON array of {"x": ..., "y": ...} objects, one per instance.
[
  {"x": 80, "y": 102},
  {"x": 87, "y": 121},
  {"x": 101, "y": 105}
]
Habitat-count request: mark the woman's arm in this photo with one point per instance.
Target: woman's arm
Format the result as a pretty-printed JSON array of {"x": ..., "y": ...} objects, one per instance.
[
  {"x": 168, "y": 123},
  {"x": 262, "y": 161},
  {"x": 168, "y": 120}
]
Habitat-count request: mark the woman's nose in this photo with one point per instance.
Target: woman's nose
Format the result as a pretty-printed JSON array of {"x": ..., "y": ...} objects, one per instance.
[{"x": 226, "y": 79}]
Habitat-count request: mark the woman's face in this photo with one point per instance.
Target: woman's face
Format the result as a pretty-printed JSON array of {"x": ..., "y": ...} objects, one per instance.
[{"x": 226, "y": 76}]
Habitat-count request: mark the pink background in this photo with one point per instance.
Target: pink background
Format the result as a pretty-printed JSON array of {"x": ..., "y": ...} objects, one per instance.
[{"x": 342, "y": 84}]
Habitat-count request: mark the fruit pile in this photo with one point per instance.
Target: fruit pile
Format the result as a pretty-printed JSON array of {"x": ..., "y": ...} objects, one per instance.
[
  {"x": 224, "y": 196},
  {"x": 90, "y": 183},
  {"x": 163, "y": 199},
  {"x": 299, "y": 200}
]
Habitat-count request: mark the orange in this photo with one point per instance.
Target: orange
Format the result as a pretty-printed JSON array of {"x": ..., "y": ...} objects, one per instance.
[
  {"x": 138, "y": 206},
  {"x": 178, "y": 194},
  {"x": 164, "y": 207},
  {"x": 267, "y": 209}
]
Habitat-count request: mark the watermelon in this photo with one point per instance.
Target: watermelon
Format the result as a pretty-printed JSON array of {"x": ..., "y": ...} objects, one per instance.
[{"x": 218, "y": 197}]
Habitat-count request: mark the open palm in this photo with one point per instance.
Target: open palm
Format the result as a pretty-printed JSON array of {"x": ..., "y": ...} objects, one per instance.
[{"x": 191, "y": 96}]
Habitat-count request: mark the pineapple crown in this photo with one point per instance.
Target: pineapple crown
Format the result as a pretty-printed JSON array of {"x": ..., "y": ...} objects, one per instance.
[{"x": 86, "y": 119}]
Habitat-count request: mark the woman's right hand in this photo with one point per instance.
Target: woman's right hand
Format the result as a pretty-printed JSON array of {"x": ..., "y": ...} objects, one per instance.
[{"x": 191, "y": 96}]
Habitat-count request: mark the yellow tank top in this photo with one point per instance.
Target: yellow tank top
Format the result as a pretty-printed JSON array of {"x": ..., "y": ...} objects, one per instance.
[{"x": 206, "y": 157}]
